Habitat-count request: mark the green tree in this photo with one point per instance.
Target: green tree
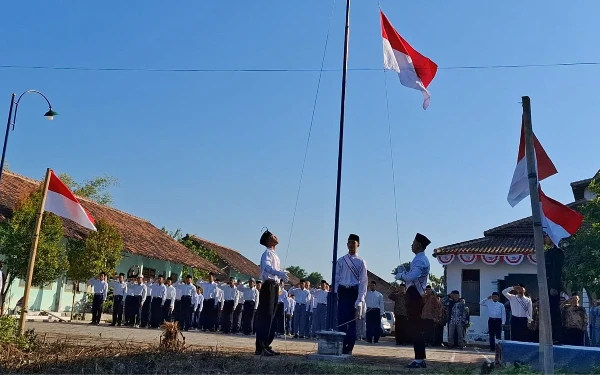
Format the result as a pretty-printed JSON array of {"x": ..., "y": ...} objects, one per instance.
[
  {"x": 438, "y": 284},
  {"x": 16, "y": 235},
  {"x": 314, "y": 278},
  {"x": 94, "y": 189},
  {"x": 582, "y": 253},
  {"x": 100, "y": 252},
  {"x": 204, "y": 252},
  {"x": 298, "y": 272}
]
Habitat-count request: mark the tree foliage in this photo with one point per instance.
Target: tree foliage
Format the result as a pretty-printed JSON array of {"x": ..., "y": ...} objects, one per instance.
[
  {"x": 94, "y": 189},
  {"x": 204, "y": 252},
  {"x": 582, "y": 253},
  {"x": 438, "y": 284},
  {"x": 314, "y": 278},
  {"x": 16, "y": 236},
  {"x": 298, "y": 271}
]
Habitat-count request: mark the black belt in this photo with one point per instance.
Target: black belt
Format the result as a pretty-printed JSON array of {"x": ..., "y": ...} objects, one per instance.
[
  {"x": 349, "y": 286},
  {"x": 496, "y": 318}
]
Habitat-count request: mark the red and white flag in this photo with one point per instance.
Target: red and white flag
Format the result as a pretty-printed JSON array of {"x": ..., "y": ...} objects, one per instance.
[
  {"x": 414, "y": 70},
  {"x": 519, "y": 186},
  {"x": 558, "y": 220},
  {"x": 61, "y": 201}
]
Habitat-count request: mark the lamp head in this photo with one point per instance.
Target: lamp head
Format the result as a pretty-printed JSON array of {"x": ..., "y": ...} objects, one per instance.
[{"x": 50, "y": 114}]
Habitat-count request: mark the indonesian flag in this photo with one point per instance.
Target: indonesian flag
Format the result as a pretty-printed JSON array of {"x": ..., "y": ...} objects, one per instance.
[
  {"x": 61, "y": 201},
  {"x": 558, "y": 220},
  {"x": 414, "y": 70},
  {"x": 519, "y": 186}
]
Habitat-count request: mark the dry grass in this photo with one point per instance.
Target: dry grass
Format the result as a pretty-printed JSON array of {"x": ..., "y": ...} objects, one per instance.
[{"x": 172, "y": 339}]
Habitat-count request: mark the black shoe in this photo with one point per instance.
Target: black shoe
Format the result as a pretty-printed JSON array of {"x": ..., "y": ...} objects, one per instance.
[
  {"x": 264, "y": 352},
  {"x": 268, "y": 349},
  {"x": 415, "y": 364}
]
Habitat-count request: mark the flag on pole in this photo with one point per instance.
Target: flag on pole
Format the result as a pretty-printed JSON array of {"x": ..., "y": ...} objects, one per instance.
[
  {"x": 519, "y": 186},
  {"x": 414, "y": 70},
  {"x": 558, "y": 220},
  {"x": 62, "y": 202}
]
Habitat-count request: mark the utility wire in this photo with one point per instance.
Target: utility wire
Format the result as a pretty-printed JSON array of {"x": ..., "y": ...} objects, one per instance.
[{"x": 279, "y": 70}]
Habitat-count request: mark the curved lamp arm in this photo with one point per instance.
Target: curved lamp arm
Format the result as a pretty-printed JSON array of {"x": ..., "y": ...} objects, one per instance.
[{"x": 50, "y": 112}]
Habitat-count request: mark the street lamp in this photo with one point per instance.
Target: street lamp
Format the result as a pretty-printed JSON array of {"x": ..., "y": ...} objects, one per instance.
[{"x": 13, "y": 118}]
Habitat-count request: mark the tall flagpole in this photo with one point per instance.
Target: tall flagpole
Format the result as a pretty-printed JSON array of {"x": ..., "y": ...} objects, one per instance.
[
  {"x": 34, "y": 245},
  {"x": 332, "y": 303},
  {"x": 545, "y": 349}
]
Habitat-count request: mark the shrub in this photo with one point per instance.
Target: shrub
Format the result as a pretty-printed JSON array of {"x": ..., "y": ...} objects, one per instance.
[{"x": 9, "y": 334}]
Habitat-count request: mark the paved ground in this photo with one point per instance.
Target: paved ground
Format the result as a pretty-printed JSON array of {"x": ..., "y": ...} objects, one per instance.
[{"x": 384, "y": 353}]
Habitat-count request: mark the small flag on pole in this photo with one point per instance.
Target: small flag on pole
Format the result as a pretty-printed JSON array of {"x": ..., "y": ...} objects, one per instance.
[
  {"x": 62, "y": 202},
  {"x": 414, "y": 70},
  {"x": 519, "y": 186},
  {"x": 558, "y": 220}
]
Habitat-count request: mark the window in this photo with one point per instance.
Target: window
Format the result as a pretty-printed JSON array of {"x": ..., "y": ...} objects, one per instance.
[
  {"x": 470, "y": 290},
  {"x": 69, "y": 286},
  {"x": 149, "y": 273}
]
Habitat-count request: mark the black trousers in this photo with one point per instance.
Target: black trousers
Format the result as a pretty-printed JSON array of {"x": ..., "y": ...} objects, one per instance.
[
  {"x": 429, "y": 331},
  {"x": 518, "y": 329},
  {"x": 227, "y": 316},
  {"x": 373, "y": 320},
  {"x": 237, "y": 318},
  {"x": 438, "y": 334},
  {"x": 97, "y": 307},
  {"x": 117, "y": 310},
  {"x": 156, "y": 310},
  {"x": 145, "y": 317},
  {"x": 556, "y": 318},
  {"x": 136, "y": 307},
  {"x": 128, "y": 311},
  {"x": 495, "y": 331},
  {"x": 185, "y": 315},
  {"x": 247, "y": 317},
  {"x": 279, "y": 318},
  {"x": 166, "y": 311},
  {"x": 208, "y": 314},
  {"x": 414, "y": 307},
  {"x": 574, "y": 336},
  {"x": 267, "y": 304},
  {"x": 176, "y": 311},
  {"x": 347, "y": 316},
  {"x": 400, "y": 332}
]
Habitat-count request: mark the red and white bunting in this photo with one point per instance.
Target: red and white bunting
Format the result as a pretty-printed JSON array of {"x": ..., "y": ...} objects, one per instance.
[
  {"x": 445, "y": 259},
  {"x": 467, "y": 259},
  {"x": 487, "y": 259},
  {"x": 490, "y": 260}
]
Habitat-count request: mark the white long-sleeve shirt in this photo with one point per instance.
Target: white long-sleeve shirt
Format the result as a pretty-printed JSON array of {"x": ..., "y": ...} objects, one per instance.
[
  {"x": 418, "y": 273},
  {"x": 496, "y": 310},
  {"x": 170, "y": 295},
  {"x": 374, "y": 300},
  {"x": 270, "y": 266},
  {"x": 283, "y": 296},
  {"x": 177, "y": 285},
  {"x": 159, "y": 291},
  {"x": 119, "y": 288},
  {"x": 351, "y": 271},
  {"x": 99, "y": 287},
  {"x": 302, "y": 296},
  {"x": 251, "y": 294},
  {"x": 198, "y": 302},
  {"x": 320, "y": 297},
  {"x": 140, "y": 290},
  {"x": 220, "y": 298},
  {"x": 291, "y": 306},
  {"x": 520, "y": 307},
  {"x": 209, "y": 290},
  {"x": 188, "y": 290}
]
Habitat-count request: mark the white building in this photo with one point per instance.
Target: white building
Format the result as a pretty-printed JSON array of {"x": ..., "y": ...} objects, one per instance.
[{"x": 503, "y": 257}]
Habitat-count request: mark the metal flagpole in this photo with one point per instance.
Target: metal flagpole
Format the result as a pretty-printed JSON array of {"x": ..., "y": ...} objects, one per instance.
[
  {"x": 332, "y": 303},
  {"x": 546, "y": 351}
]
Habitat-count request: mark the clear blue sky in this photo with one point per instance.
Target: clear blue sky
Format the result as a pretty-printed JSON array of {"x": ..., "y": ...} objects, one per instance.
[{"x": 219, "y": 154}]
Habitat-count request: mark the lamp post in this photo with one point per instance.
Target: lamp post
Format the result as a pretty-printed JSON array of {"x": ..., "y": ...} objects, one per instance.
[{"x": 12, "y": 118}]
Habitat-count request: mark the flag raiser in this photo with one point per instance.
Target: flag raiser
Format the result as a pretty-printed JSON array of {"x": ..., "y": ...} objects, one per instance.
[
  {"x": 558, "y": 220},
  {"x": 414, "y": 70},
  {"x": 519, "y": 186},
  {"x": 62, "y": 202}
]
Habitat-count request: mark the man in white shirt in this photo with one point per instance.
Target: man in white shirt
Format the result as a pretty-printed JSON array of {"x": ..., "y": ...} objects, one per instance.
[
  {"x": 416, "y": 283},
  {"x": 497, "y": 318},
  {"x": 159, "y": 296},
  {"x": 270, "y": 273},
  {"x": 230, "y": 299},
  {"x": 237, "y": 313},
  {"x": 521, "y": 310},
  {"x": 140, "y": 293},
  {"x": 100, "y": 288},
  {"x": 351, "y": 288},
  {"x": 302, "y": 306},
  {"x": 188, "y": 291},
  {"x": 208, "y": 317},
  {"x": 280, "y": 311},
  {"x": 250, "y": 305},
  {"x": 289, "y": 321},
  {"x": 169, "y": 301},
  {"x": 375, "y": 310},
  {"x": 119, "y": 292},
  {"x": 319, "y": 315},
  {"x": 130, "y": 303},
  {"x": 198, "y": 305}
]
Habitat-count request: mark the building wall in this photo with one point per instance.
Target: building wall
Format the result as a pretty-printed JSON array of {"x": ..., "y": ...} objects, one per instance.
[
  {"x": 489, "y": 276},
  {"x": 58, "y": 296}
]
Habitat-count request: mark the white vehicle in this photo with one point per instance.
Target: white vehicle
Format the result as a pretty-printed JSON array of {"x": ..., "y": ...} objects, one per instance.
[
  {"x": 389, "y": 316},
  {"x": 386, "y": 327}
]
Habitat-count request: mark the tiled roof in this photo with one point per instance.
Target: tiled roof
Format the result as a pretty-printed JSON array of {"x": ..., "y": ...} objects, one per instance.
[
  {"x": 140, "y": 237},
  {"x": 234, "y": 258}
]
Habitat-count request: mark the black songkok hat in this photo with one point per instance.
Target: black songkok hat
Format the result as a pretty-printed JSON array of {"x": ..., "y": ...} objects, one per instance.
[
  {"x": 424, "y": 241},
  {"x": 354, "y": 237},
  {"x": 264, "y": 237}
]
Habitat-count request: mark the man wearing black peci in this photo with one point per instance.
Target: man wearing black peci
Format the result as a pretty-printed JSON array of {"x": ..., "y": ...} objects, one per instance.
[
  {"x": 416, "y": 282},
  {"x": 270, "y": 273}
]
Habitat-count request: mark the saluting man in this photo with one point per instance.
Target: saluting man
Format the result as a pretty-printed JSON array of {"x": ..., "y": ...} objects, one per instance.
[
  {"x": 416, "y": 282},
  {"x": 351, "y": 288}
]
